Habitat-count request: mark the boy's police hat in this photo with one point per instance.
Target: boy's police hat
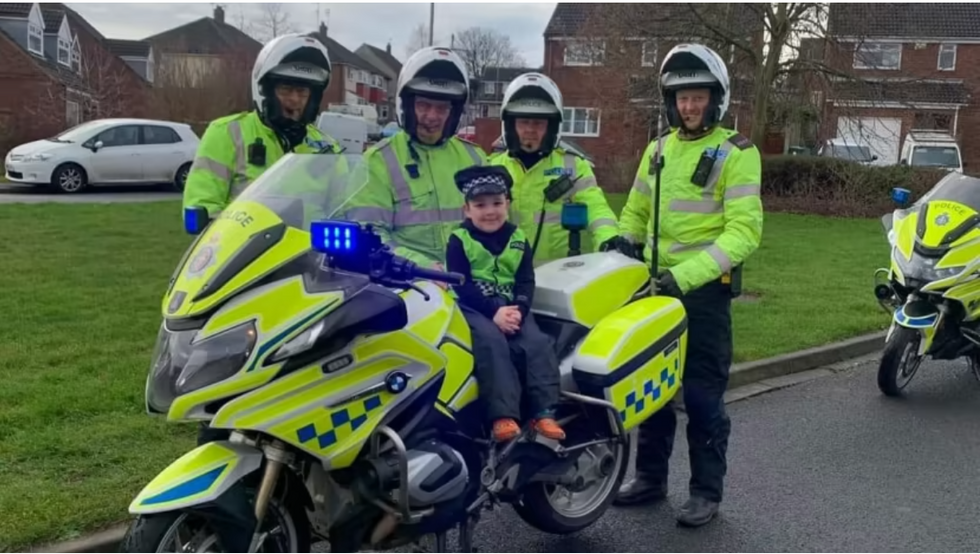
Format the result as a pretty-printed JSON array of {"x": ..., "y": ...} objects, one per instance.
[{"x": 483, "y": 179}]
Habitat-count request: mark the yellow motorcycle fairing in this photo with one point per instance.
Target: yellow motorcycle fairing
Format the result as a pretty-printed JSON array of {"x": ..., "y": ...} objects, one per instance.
[
  {"x": 197, "y": 477},
  {"x": 244, "y": 243},
  {"x": 634, "y": 358},
  {"x": 331, "y": 408},
  {"x": 280, "y": 311},
  {"x": 946, "y": 231}
]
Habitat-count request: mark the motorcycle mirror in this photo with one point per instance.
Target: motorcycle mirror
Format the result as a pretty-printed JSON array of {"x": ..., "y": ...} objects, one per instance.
[
  {"x": 195, "y": 219},
  {"x": 901, "y": 196}
]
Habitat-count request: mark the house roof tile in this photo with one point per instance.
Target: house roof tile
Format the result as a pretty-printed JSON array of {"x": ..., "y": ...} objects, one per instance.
[
  {"x": 919, "y": 20},
  {"x": 133, "y": 48},
  {"x": 386, "y": 58},
  {"x": 903, "y": 91},
  {"x": 339, "y": 54}
]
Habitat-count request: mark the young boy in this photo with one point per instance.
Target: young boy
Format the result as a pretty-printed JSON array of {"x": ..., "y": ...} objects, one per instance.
[{"x": 496, "y": 259}]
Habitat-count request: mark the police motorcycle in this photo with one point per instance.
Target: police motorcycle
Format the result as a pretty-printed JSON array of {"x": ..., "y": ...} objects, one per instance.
[
  {"x": 931, "y": 288},
  {"x": 343, "y": 375}
]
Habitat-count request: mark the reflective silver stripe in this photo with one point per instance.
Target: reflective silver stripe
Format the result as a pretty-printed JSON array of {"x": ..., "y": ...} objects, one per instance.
[
  {"x": 549, "y": 217},
  {"x": 631, "y": 238},
  {"x": 697, "y": 206},
  {"x": 219, "y": 169},
  {"x": 402, "y": 191},
  {"x": 593, "y": 226},
  {"x": 366, "y": 214},
  {"x": 240, "y": 180},
  {"x": 642, "y": 187},
  {"x": 724, "y": 262},
  {"x": 742, "y": 191},
  {"x": 678, "y": 247},
  {"x": 471, "y": 150},
  {"x": 421, "y": 217}
]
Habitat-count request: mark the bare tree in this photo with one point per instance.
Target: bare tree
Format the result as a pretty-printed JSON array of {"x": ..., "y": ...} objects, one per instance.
[
  {"x": 481, "y": 48},
  {"x": 417, "y": 39},
  {"x": 274, "y": 20}
]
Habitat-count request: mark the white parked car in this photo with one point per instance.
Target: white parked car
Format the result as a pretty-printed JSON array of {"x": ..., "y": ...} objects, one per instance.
[{"x": 106, "y": 151}]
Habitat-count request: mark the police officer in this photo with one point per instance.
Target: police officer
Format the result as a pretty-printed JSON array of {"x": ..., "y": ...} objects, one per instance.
[
  {"x": 411, "y": 197},
  {"x": 711, "y": 221},
  {"x": 290, "y": 75},
  {"x": 531, "y": 119}
]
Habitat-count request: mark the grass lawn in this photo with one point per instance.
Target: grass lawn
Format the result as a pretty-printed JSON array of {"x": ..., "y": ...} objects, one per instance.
[{"x": 81, "y": 298}]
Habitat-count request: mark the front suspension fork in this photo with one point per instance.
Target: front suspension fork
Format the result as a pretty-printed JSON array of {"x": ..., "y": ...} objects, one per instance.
[{"x": 276, "y": 457}]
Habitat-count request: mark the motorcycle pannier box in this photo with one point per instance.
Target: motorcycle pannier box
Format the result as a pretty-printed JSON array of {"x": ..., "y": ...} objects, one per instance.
[{"x": 634, "y": 358}]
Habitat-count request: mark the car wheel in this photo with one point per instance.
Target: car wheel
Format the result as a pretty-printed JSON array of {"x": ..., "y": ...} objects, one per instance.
[
  {"x": 181, "y": 177},
  {"x": 69, "y": 178}
]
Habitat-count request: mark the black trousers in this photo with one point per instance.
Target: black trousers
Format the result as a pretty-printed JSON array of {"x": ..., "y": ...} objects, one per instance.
[
  {"x": 709, "y": 358},
  {"x": 497, "y": 359}
]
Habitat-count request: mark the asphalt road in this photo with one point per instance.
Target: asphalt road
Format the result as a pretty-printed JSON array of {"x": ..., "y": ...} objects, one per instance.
[
  {"x": 827, "y": 465},
  {"x": 15, "y": 194}
]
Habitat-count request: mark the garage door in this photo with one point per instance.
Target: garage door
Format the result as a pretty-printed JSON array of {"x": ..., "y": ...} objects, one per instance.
[{"x": 882, "y": 134}]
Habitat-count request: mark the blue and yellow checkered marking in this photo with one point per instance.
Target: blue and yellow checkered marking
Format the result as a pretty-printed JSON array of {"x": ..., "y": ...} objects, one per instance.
[
  {"x": 338, "y": 419},
  {"x": 651, "y": 391}
]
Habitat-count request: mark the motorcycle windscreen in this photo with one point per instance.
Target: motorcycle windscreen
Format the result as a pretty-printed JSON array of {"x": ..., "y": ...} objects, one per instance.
[{"x": 265, "y": 228}]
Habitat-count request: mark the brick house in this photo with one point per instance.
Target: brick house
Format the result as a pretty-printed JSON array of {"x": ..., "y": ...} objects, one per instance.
[
  {"x": 910, "y": 66},
  {"x": 390, "y": 67},
  {"x": 355, "y": 82},
  {"x": 58, "y": 71},
  {"x": 490, "y": 87},
  {"x": 606, "y": 67}
]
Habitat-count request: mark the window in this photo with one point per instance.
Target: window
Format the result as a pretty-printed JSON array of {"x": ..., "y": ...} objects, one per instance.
[
  {"x": 489, "y": 87},
  {"x": 73, "y": 115},
  {"x": 878, "y": 56},
  {"x": 584, "y": 53},
  {"x": 125, "y": 135},
  {"x": 64, "y": 52},
  {"x": 156, "y": 134},
  {"x": 76, "y": 55},
  {"x": 933, "y": 121},
  {"x": 35, "y": 39},
  {"x": 581, "y": 122},
  {"x": 947, "y": 57},
  {"x": 649, "y": 56}
]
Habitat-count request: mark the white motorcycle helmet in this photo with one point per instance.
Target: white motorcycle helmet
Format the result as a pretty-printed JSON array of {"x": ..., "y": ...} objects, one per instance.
[
  {"x": 689, "y": 66},
  {"x": 535, "y": 96},
  {"x": 292, "y": 59},
  {"x": 432, "y": 72}
]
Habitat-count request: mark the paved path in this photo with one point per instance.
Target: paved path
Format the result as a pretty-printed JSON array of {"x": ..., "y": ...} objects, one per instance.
[
  {"x": 14, "y": 194},
  {"x": 826, "y": 465}
]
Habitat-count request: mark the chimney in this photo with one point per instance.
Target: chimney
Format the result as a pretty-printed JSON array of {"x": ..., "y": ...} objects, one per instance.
[
  {"x": 388, "y": 48},
  {"x": 219, "y": 14},
  {"x": 323, "y": 29}
]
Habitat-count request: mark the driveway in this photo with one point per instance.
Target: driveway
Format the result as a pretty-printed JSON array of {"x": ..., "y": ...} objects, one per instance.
[{"x": 827, "y": 465}]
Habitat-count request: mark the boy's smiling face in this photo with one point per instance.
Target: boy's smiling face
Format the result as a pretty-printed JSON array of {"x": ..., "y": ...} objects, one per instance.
[{"x": 488, "y": 212}]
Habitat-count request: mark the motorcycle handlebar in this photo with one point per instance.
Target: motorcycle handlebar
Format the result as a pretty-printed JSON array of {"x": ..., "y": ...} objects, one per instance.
[{"x": 441, "y": 276}]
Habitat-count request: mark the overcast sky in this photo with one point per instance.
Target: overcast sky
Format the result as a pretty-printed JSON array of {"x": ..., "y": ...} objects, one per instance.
[{"x": 350, "y": 24}]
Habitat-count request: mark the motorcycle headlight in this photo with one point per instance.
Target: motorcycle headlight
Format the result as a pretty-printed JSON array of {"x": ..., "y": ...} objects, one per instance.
[
  {"x": 923, "y": 268},
  {"x": 182, "y": 365}
]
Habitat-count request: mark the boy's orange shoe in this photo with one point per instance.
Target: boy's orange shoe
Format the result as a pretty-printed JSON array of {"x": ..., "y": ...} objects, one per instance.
[
  {"x": 548, "y": 427},
  {"x": 505, "y": 429}
]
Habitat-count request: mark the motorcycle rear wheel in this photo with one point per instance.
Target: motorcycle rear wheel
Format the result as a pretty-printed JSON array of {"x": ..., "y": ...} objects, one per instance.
[
  {"x": 539, "y": 507},
  {"x": 899, "y": 362}
]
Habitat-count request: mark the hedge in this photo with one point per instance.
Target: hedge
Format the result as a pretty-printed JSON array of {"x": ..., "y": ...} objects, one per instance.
[{"x": 828, "y": 186}]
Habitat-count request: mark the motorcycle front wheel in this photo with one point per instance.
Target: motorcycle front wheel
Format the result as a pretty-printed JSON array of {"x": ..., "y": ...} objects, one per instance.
[
  {"x": 899, "y": 361},
  {"x": 285, "y": 527}
]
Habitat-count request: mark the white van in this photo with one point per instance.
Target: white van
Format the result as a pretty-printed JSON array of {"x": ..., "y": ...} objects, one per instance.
[
  {"x": 932, "y": 149},
  {"x": 350, "y": 131}
]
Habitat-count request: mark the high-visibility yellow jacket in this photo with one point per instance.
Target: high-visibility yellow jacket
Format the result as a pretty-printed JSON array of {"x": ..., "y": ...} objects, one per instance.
[
  {"x": 528, "y": 198},
  {"x": 411, "y": 196},
  {"x": 222, "y": 169},
  {"x": 704, "y": 231}
]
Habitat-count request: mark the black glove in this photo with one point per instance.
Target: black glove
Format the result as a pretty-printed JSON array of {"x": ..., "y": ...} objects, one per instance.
[
  {"x": 624, "y": 246},
  {"x": 667, "y": 285}
]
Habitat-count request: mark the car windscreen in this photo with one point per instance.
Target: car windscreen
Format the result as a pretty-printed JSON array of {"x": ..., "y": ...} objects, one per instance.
[{"x": 935, "y": 156}]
